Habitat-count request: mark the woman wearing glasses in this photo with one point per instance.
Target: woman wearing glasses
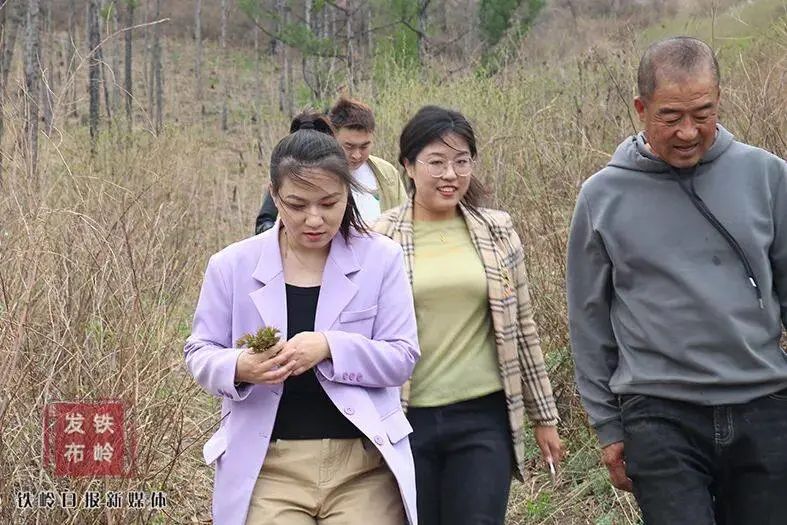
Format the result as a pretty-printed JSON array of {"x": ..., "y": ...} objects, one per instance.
[{"x": 481, "y": 369}]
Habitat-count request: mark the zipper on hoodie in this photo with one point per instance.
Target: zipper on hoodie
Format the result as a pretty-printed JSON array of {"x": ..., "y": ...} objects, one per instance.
[{"x": 711, "y": 218}]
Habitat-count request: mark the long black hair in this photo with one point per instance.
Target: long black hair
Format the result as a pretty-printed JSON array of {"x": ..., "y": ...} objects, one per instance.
[
  {"x": 432, "y": 124},
  {"x": 311, "y": 144}
]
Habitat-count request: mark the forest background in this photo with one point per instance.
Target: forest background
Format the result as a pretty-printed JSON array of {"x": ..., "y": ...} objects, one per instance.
[{"x": 134, "y": 142}]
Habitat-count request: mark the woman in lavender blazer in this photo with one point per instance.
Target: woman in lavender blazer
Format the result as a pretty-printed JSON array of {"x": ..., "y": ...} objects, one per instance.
[{"x": 338, "y": 377}]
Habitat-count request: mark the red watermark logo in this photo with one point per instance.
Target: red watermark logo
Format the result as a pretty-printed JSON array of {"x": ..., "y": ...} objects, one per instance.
[{"x": 88, "y": 439}]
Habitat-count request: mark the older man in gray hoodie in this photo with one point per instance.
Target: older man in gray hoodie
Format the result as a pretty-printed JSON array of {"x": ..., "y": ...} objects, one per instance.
[{"x": 677, "y": 292}]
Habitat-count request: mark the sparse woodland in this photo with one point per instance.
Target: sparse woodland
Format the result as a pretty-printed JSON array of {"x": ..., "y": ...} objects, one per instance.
[{"x": 134, "y": 142}]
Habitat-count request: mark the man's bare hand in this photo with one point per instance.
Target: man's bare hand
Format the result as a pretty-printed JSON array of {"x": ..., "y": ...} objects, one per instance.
[{"x": 614, "y": 459}]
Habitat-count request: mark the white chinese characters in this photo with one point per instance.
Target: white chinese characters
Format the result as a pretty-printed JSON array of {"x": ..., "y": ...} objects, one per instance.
[
  {"x": 102, "y": 452},
  {"x": 74, "y": 452},
  {"x": 74, "y": 422},
  {"x": 103, "y": 423}
]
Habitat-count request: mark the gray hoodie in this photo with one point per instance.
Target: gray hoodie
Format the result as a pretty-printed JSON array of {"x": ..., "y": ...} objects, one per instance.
[{"x": 659, "y": 303}]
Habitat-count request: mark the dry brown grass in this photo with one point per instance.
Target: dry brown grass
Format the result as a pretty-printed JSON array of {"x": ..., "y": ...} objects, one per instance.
[{"x": 100, "y": 265}]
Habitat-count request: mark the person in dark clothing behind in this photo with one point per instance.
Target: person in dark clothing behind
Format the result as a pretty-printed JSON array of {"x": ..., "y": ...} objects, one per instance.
[
  {"x": 677, "y": 294},
  {"x": 380, "y": 187}
]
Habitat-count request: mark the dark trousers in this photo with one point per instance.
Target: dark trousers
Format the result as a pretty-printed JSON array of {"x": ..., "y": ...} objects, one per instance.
[
  {"x": 707, "y": 465},
  {"x": 463, "y": 461}
]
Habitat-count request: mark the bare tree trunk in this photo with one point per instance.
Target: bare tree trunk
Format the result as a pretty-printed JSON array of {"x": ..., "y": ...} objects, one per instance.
[
  {"x": 115, "y": 57},
  {"x": 11, "y": 17},
  {"x": 423, "y": 6},
  {"x": 3, "y": 28},
  {"x": 369, "y": 40},
  {"x": 288, "y": 66},
  {"x": 282, "y": 55},
  {"x": 129, "y": 55},
  {"x": 323, "y": 26},
  {"x": 470, "y": 34},
  {"x": 102, "y": 73},
  {"x": 318, "y": 67},
  {"x": 150, "y": 59},
  {"x": 72, "y": 47},
  {"x": 224, "y": 84},
  {"x": 332, "y": 33},
  {"x": 308, "y": 19},
  {"x": 46, "y": 51},
  {"x": 257, "y": 76},
  {"x": 158, "y": 81},
  {"x": 94, "y": 72},
  {"x": 32, "y": 87},
  {"x": 198, "y": 59},
  {"x": 305, "y": 60},
  {"x": 349, "y": 34}
]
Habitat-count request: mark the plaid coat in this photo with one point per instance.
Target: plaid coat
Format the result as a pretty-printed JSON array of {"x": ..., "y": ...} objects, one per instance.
[{"x": 527, "y": 387}]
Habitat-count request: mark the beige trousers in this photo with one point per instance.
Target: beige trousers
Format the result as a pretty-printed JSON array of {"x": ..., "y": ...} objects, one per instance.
[{"x": 325, "y": 482}]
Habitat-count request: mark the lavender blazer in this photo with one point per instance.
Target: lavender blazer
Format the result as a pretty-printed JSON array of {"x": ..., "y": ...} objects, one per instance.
[{"x": 365, "y": 310}]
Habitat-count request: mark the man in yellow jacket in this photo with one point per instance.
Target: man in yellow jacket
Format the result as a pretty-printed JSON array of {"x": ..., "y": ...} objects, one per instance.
[{"x": 380, "y": 187}]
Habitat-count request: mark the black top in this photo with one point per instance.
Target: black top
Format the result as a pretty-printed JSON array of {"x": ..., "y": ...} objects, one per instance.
[{"x": 305, "y": 410}]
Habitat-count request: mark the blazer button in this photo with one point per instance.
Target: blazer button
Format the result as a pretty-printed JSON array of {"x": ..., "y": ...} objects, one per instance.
[
  {"x": 379, "y": 440},
  {"x": 344, "y": 376},
  {"x": 349, "y": 411},
  {"x": 358, "y": 377},
  {"x": 352, "y": 376}
]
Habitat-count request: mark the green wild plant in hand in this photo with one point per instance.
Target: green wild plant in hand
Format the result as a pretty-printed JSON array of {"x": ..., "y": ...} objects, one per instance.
[{"x": 262, "y": 341}]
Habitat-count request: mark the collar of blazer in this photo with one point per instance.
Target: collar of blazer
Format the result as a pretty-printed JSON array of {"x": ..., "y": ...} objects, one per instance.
[
  {"x": 336, "y": 289},
  {"x": 398, "y": 225},
  {"x": 379, "y": 174}
]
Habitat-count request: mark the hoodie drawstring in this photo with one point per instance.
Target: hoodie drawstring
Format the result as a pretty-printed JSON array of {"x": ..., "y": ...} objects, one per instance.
[{"x": 736, "y": 247}]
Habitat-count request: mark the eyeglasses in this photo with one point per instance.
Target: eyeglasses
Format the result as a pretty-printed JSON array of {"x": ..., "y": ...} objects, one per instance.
[{"x": 438, "y": 167}]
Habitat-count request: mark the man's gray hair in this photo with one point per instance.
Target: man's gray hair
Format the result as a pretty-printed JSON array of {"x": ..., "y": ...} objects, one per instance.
[{"x": 675, "y": 56}]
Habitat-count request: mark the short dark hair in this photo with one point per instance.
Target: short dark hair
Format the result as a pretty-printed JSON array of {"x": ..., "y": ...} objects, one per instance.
[
  {"x": 311, "y": 144},
  {"x": 431, "y": 124},
  {"x": 352, "y": 114},
  {"x": 678, "y": 55}
]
